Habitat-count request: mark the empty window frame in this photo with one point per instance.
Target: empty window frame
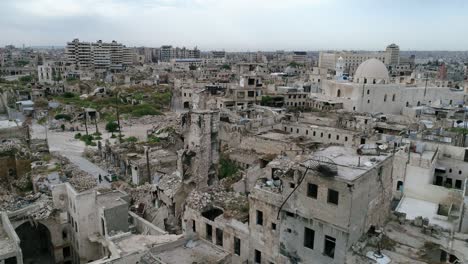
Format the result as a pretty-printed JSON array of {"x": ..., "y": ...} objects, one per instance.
[
  {"x": 332, "y": 196},
  {"x": 312, "y": 190},
  {"x": 259, "y": 217},
  {"x": 309, "y": 236},
  {"x": 329, "y": 248}
]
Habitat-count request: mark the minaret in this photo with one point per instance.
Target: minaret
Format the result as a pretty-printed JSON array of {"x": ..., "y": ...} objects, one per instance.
[{"x": 339, "y": 68}]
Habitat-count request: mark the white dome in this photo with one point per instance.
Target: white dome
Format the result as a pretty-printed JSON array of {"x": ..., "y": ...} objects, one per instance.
[{"x": 372, "y": 69}]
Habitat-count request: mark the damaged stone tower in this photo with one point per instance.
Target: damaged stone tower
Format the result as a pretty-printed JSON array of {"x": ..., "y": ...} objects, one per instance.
[{"x": 198, "y": 161}]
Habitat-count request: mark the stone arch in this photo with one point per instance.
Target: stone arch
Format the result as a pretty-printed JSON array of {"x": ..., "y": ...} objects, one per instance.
[{"x": 36, "y": 243}]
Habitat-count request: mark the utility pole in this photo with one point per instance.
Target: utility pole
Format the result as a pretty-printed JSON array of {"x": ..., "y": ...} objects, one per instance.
[
  {"x": 95, "y": 123},
  {"x": 118, "y": 118},
  {"x": 85, "y": 122},
  {"x": 147, "y": 150}
]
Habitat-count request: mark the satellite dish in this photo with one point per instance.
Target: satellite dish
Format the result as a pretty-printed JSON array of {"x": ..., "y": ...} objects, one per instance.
[{"x": 323, "y": 165}]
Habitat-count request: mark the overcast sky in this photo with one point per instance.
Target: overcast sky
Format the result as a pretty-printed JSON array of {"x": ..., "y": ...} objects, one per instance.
[{"x": 235, "y": 25}]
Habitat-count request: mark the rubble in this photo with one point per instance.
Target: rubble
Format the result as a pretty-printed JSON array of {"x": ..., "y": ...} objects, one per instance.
[
  {"x": 234, "y": 205},
  {"x": 78, "y": 178}
]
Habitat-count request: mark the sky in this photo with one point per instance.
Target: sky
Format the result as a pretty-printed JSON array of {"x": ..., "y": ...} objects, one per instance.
[{"x": 240, "y": 25}]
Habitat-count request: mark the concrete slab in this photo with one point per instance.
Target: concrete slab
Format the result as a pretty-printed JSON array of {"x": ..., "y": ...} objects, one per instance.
[{"x": 415, "y": 207}]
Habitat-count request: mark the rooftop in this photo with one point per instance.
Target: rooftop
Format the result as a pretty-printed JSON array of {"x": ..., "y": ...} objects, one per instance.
[
  {"x": 111, "y": 199},
  {"x": 197, "y": 251},
  {"x": 134, "y": 243},
  {"x": 350, "y": 164},
  {"x": 9, "y": 124}
]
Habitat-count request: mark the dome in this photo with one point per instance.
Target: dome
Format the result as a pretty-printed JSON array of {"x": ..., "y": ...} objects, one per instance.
[{"x": 371, "y": 71}]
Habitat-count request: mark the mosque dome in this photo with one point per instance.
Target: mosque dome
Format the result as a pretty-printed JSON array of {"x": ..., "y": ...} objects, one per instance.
[{"x": 371, "y": 71}]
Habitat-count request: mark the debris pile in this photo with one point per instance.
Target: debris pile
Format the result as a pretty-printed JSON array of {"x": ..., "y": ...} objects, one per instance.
[
  {"x": 234, "y": 205},
  {"x": 142, "y": 194},
  {"x": 38, "y": 206},
  {"x": 79, "y": 179}
]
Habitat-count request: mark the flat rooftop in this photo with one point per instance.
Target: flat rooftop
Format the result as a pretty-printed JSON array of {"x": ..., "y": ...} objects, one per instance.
[
  {"x": 111, "y": 199},
  {"x": 198, "y": 251},
  {"x": 414, "y": 207},
  {"x": 350, "y": 164},
  {"x": 135, "y": 243},
  {"x": 9, "y": 124}
]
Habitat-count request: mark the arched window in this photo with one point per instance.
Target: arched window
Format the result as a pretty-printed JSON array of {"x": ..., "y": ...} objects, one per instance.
[
  {"x": 385, "y": 98},
  {"x": 393, "y": 98},
  {"x": 419, "y": 103},
  {"x": 338, "y": 93},
  {"x": 407, "y": 104},
  {"x": 368, "y": 91}
]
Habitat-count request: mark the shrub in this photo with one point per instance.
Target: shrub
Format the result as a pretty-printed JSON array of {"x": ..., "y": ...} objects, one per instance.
[
  {"x": 86, "y": 138},
  {"x": 266, "y": 100},
  {"x": 78, "y": 136},
  {"x": 62, "y": 116},
  {"x": 68, "y": 95},
  {"x": 132, "y": 139},
  {"x": 227, "y": 168},
  {"x": 26, "y": 79},
  {"x": 144, "y": 109},
  {"x": 112, "y": 127}
]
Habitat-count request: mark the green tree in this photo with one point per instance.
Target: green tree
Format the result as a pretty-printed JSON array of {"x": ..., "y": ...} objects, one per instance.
[
  {"x": 112, "y": 127},
  {"x": 26, "y": 79},
  {"x": 266, "y": 100}
]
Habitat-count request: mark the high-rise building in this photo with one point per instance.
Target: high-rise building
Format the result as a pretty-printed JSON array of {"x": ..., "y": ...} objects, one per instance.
[
  {"x": 166, "y": 53},
  {"x": 218, "y": 54},
  {"x": 99, "y": 55},
  {"x": 393, "y": 52}
]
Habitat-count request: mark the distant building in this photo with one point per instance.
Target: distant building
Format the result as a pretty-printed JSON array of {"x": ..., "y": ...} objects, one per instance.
[
  {"x": 218, "y": 54},
  {"x": 393, "y": 52},
  {"x": 299, "y": 56},
  {"x": 99, "y": 55},
  {"x": 442, "y": 72},
  {"x": 167, "y": 53}
]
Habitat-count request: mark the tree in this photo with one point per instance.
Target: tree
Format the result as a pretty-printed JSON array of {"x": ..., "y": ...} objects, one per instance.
[
  {"x": 112, "y": 127},
  {"x": 26, "y": 79},
  {"x": 266, "y": 100},
  {"x": 192, "y": 67}
]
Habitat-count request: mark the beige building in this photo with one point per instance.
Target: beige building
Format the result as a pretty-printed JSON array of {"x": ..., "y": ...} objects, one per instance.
[{"x": 371, "y": 90}]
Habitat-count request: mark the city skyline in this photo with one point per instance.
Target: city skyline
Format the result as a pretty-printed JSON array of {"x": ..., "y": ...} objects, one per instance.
[{"x": 238, "y": 25}]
